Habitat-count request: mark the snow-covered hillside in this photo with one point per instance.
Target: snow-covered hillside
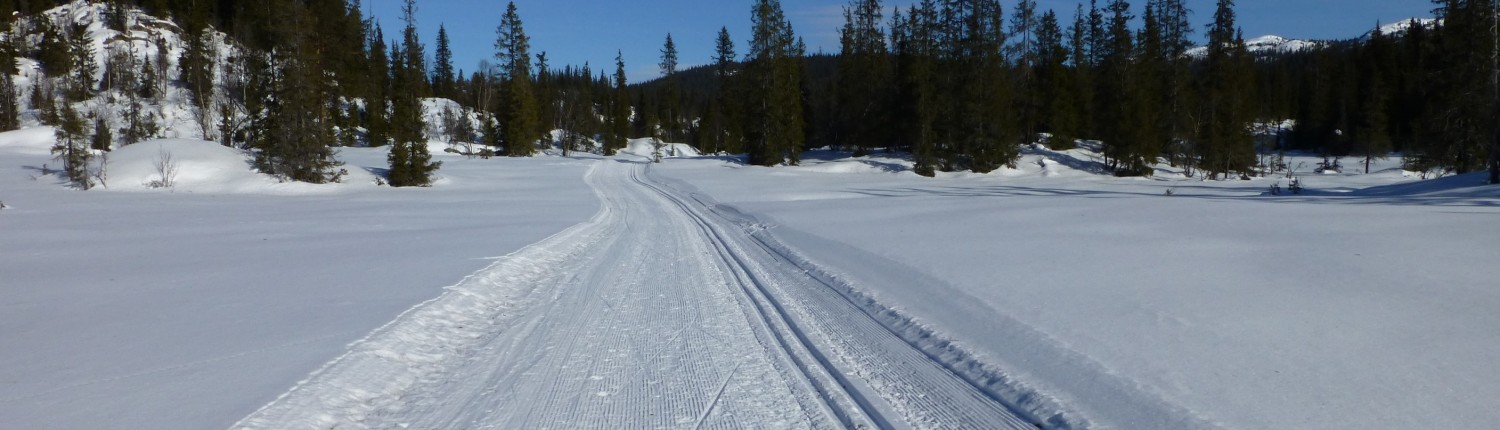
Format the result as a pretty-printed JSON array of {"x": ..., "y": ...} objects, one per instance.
[{"x": 1268, "y": 44}]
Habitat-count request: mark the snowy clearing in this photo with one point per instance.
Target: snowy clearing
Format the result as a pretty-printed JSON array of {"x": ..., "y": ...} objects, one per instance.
[{"x": 847, "y": 292}]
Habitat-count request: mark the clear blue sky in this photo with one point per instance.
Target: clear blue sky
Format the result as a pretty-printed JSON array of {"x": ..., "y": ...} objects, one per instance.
[{"x": 578, "y": 31}]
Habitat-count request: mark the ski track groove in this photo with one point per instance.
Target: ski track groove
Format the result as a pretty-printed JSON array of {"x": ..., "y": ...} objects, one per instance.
[{"x": 661, "y": 311}]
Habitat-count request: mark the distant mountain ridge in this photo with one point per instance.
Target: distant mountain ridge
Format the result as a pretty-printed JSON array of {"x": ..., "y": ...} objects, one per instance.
[{"x": 1273, "y": 44}]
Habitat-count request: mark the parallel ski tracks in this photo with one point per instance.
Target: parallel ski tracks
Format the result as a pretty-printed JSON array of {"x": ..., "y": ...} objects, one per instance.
[
  {"x": 884, "y": 380},
  {"x": 660, "y": 312}
]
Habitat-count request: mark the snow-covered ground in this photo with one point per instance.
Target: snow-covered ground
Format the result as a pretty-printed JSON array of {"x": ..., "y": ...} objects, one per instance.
[
  {"x": 191, "y": 307},
  {"x": 1366, "y": 302},
  {"x": 589, "y": 292}
]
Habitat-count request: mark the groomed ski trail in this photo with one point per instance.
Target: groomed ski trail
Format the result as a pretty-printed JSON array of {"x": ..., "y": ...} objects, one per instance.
[{"x": 662, "y": 311}]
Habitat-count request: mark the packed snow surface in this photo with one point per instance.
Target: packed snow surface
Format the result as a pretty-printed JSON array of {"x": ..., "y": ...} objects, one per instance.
[{"x": 589, "y": 292}]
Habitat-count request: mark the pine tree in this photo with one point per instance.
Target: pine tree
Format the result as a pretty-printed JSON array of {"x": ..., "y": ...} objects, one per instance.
[
  {"x": 1175, "y": 82},
  {"x": 197, "y": 71},
  {"x": 518, "y": 110},
  {"x": 377, "y": 109},
  {"x": 82, "y": 84},
  {"x": 1465, "y": 79},
  {"x": 728, "y": 130},
  {"x": 411, "y": 164},
  {"x": 774, "y": 114},
  {"x": 1026, "y": 53},
  {"x": 863, "y": 81},
  {"x": 53, "y": 53},
  {"x": 1113, "y": 98},
  {"x": 1371, "y": 134},
  {"x": 916, "y": 44},
  {"x": 10, "y": 98},
  {"x": 442, "y": 75},
  {"x": 619, "y": 111},
  {"x": 71, "y": 147},
  {"x": 1057, "y": 106},
  {"x": 292, "y": 131},
  {"x": 670, "y": 99},
  {"x": 1224, "y": 143}
]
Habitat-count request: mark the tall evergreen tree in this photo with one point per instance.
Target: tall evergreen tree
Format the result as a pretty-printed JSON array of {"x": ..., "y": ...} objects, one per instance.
[
  {"x": 72, "y": 147},
  {"x": 377, "y": 100},
  {"x": 10, "y": 98},
  {"x": 916, "y": 40},
  {"x": 410, "y": 162},
  {"x": 725, "y": 128},
  {"x": 774, "y": 117},
  {"x": 1113, "y": 98},
  {"x": 864, "y": 80},
  {"x": 1465, "y": 79},
  {"x": 443, "y": 77},
  {"x": 1057, "y": 106},
  {"x": 1224, "y": 142},
  {"x": 1026, "y": 56},
  {"x": 670, "y": 98},
  {"x": 518, "y": 112},
  {"x": 293, "y": 131},
  {"x": 619, "y": 111}
]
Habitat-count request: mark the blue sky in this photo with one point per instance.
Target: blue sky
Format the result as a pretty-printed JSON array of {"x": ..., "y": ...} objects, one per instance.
[{"x": 578, "y": 31}]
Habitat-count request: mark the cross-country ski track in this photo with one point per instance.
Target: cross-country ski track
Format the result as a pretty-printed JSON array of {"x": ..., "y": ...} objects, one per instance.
[{"x": 665, "y": 310}]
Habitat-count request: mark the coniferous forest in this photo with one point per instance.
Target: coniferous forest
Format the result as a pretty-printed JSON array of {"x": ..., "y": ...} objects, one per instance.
[{"x": 959, "y": 85}]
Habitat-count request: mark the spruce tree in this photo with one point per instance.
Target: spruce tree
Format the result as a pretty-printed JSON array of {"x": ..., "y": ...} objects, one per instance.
[
  {"x": 670, "y": 98},
  {"x": 377, "y": 101},
  {"x": 82, "y": 84},
  {"x": 442, "y": 74},
  {"x": 916, "y": 41},
  {"x": 1026, "y": 53},
  {"x": 1116, "y": 125},
  {"x": 10, "y": 97},
  {"x": 728, "y": 130},
  {"x": 1224, "y": 143},
  {"x": 1371, "y": 134},
  {"x": 1057, "y": 106},
  {"x": 773, "y": 127},
  {"x": 863, "y": 81},
  {"x": 411, "y": 163},
  {"x": 72, "y": 148},
  {"x": 619, "y": 110},
  {"x": 518, "y": 110}
]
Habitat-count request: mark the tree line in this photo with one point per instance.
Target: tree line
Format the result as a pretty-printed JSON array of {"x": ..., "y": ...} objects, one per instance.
[{"x": 957, "y": 84}]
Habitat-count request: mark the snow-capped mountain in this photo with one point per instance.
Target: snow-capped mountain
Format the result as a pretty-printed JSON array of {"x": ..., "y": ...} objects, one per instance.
[{"x": 1273, "y": 44}]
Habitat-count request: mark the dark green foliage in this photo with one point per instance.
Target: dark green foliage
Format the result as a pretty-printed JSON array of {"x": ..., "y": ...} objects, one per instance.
[
  {"x": 292, "y": 128},
  {"x": 864, "y": 80},
  {"x": 411, "y": 163},
  {"x": 774, "y": 116},
  {"x": 518, "y": 111},
  {"x": 670, "y": 105},
  {"x": 103, "y": 139},
  {"x": 618, "y": 128},
  {"x": 72, "y": 148},
  {"x": 1224, "y": 141},
  {"x": 443, "y": 77}
]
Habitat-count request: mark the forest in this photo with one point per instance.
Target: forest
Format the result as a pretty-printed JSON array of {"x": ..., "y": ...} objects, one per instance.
[{"x": 958, "y": 85}]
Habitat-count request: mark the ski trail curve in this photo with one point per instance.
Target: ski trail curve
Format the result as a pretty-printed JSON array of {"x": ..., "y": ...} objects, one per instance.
[{"x": 658, "y": 312}]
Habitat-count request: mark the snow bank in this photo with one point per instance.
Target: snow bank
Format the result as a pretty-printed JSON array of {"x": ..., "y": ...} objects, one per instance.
[
  {"x": 205, "y": 167},
  {"x": 646, "y": 147},
  {"x": 30, "y": 141}
]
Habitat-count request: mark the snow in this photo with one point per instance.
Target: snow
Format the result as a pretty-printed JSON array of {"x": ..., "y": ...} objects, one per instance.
[
  {"x": 1268, "y": 44},
  {"x": 591, "y": 292},
  {"x": 1214, "y": 307},
  {"x": 191, "y": 308},
  {"x": 647, "y": 146}
]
